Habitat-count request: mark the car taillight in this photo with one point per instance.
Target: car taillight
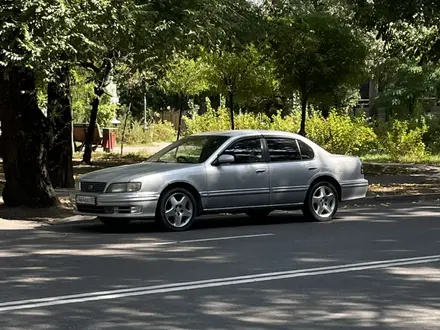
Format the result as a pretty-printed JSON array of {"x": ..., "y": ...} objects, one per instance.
[{"x": 362, "y": 169}]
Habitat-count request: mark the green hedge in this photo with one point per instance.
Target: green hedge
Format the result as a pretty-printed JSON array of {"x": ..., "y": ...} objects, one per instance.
[
  {"x": 135, "y": 134},
  {"x": 339, "y": 133}
]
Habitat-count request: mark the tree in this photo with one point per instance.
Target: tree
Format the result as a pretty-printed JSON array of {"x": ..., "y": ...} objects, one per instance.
[
  {"x": 26, "y": 138},
  {"x": 407, "y": 87},
  {"x": 240, "y": 75},
  {"x": 185, "y": 77},
  {"x": 387, "y": 18},
  {"x": 32, "y": 35},
  {"x": 145, "y": 34},
  {"x": 59, "y": 113},
  {"x": 314, "y": 54}
]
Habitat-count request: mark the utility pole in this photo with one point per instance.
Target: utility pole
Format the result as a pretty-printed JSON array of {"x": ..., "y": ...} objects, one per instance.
[{"x": 145, "y": 111}]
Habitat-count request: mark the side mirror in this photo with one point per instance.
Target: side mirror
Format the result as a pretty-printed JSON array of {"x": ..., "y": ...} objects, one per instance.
[{"x": 225, "y": 159}]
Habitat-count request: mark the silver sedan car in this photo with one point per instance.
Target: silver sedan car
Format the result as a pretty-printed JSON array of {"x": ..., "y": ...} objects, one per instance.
[{"x": 241, "y": 171}]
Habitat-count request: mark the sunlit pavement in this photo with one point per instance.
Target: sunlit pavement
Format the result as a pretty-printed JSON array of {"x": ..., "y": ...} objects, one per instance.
[{"x": 373, "y": 267}]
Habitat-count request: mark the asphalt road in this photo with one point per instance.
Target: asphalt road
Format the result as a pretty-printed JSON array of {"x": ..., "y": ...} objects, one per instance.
[{"x": 376, "y": 267}]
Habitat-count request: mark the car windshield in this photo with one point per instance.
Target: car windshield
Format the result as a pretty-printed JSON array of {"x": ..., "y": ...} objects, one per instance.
[{"x": 190, "y": 150}]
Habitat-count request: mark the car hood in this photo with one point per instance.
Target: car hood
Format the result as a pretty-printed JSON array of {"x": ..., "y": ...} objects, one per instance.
[{"x": 126, "y": 173}]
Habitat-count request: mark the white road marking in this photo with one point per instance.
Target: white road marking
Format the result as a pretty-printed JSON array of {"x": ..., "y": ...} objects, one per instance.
[
  {"x": 212, "y": 239},
  {"x": 227, "y": 281}
]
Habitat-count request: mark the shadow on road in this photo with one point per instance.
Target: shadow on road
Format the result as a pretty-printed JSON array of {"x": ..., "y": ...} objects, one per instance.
[
  {"x": 59, "y": 260},
  {"x": 202, "y": 223}
]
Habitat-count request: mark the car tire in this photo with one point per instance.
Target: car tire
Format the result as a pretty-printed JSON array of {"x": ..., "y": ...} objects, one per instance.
[
  {"x": 176, "y": 210},
  {"x": 115, "y": 222},
  {"x": 258, "y": 213},
  {"x": 321, "y": 203}
]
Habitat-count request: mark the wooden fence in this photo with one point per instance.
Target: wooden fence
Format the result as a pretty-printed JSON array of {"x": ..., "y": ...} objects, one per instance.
[{"x": 173, "y": 118}]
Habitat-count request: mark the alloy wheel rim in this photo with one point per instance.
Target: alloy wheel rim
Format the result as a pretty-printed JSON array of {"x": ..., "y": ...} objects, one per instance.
[
  {"x": 179, "y": 210},
  {"x": 323, "y": 201}
]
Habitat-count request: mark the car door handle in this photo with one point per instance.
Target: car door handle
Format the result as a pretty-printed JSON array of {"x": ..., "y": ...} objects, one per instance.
[
  {"x": 313, "y": 168},
  {"x": 260, "y": 170}
]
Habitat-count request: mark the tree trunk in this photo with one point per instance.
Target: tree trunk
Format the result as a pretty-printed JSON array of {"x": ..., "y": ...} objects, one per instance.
[
  {"x": 179, "y": 125},
  {"x": 202, "y": 108},
  {"x": 302, "y": 130},
  {"x": 102, "y": 77},
  {"x": 124, "y": 129},
  {"x": 215, "y": 101},
  {"x": 411, "y": 106},
  {"x": 87, "y": 156},
  {"x": 59, "y": 112},
  {"x": 325, "y": 111},
  {"x": 26, "y": 139},
  {"x": 231, "y": 108}
]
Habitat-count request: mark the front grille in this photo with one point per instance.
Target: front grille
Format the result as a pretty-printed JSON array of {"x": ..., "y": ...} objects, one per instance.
[
  {"x": 95, "y": 209},
  {"x": 93, "y": 187}
]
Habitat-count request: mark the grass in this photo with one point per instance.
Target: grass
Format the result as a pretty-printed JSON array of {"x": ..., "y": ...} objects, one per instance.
[{"x": 384, "y": 158}]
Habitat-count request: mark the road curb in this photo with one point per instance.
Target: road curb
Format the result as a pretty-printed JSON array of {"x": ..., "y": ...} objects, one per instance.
[
  {"x": 395, "y": 199},
  {"x": 72, "y": 220}
]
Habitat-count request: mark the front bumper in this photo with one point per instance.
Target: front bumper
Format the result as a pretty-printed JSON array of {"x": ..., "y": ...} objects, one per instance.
[{"x": 118, "y": 205}]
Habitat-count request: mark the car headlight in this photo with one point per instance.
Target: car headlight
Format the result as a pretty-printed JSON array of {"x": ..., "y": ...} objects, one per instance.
[{"x": 124, "y": 187}]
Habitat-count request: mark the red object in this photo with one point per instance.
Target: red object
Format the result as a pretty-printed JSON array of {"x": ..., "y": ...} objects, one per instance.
[{"x": 108, "y": 139}]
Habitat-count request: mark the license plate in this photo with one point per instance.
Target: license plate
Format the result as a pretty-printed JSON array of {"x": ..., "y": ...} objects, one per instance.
[{"x": 89, "y": 200}]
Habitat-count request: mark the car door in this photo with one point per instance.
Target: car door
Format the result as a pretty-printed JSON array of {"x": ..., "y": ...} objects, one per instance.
[
  {"x": 290, "y": 173},
  {"x": 243, "y": 183}
]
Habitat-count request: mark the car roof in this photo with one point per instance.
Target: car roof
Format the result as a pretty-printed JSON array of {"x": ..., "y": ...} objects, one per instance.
[{"x": 244, "y": 133}]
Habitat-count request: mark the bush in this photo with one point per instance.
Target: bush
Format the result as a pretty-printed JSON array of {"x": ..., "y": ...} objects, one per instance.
[
  {"x": 342, "y": 134},
  {"x": 404, "y": 143},
  {"x": 430, "y": 138},
  {"x": 135, "y": 134},
  {"x": 338, "y": 134}
]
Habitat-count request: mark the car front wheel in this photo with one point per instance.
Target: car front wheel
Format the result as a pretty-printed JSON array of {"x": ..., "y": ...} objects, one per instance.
[
  {"x": 321, "y": 203},
  {"x": 177, "y": 209}
]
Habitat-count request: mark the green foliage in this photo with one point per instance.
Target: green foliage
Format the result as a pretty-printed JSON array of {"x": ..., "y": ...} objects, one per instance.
[
  {"x": 82, "y": 95},
  {"x": 135, "y": 134},
  {"x": 33, "y": 33},
  {"x": 403, "y": 142},
  {"x": 244, "y": 74},
  {"x": 210, "y": 121},
  {"x": 338, "y": 133},
  {"x": 307, "y": 52},
  {"x": 288, "y": 123},
  {"x": 342, "y": 134},
  {"x": 431, "y": 136},
  {"x": 407, "y": 87},
  {"x": 400, "y": 19},
  {"x": 309, "y": 60},
  {"x": 185, "y": 77}
]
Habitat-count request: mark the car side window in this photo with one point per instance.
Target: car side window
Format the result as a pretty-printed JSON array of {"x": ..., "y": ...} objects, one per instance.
[
  {"x": 283, "y": 150},
  {"x": 246, "y": 151},
  {"x": 307, "y": 152}
]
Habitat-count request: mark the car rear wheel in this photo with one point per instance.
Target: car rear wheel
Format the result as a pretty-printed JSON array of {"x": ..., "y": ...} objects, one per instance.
[
  {"x": 177, "y": 209},
  {"x": 258, "y": 213},
  {"x": 114, "y": 222},
  {"x": 322, "y": 202}
]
